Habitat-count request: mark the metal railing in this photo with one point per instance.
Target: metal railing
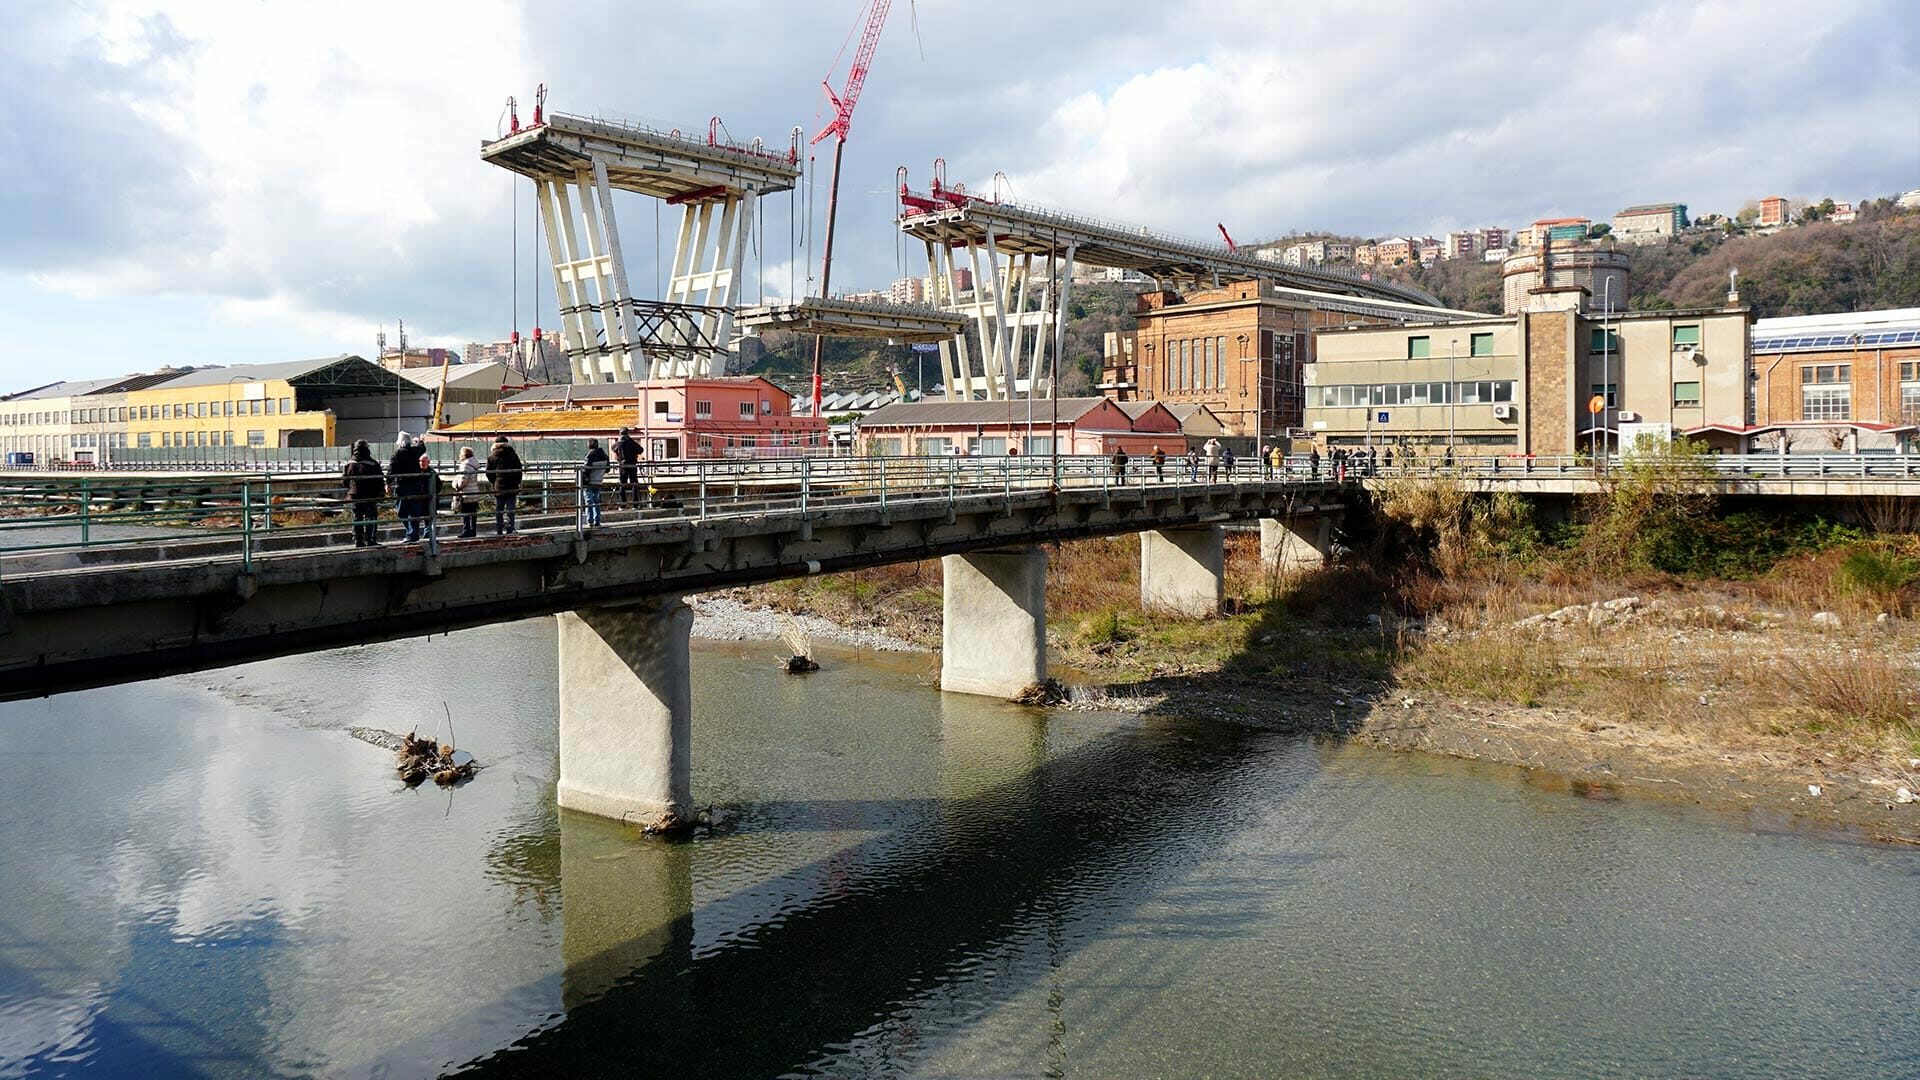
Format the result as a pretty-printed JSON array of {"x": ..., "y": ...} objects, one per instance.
[
  {"x": 105, "y": 519},
  {"x": 1888, "y": 466}
]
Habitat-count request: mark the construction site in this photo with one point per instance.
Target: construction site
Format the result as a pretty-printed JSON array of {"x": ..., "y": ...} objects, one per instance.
[{"x": 1000, "y": 275}]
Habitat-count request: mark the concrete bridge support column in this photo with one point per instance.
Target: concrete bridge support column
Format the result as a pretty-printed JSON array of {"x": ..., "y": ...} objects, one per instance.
[
  {"x": 993, "y": 637},
  {"x": 1292, "y": 544},
  {"x": 626, "y": 712},
  {"x": 1183, "y": 570}
]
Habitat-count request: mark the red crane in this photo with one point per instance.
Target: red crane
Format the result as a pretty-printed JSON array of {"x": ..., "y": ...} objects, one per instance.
[
  {"x": 1232, "y": 248},
  {"x": 843, "y": 104}
]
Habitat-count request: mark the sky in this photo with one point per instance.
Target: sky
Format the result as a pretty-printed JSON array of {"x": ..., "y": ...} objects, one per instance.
[{"x": 262, "y": 180}]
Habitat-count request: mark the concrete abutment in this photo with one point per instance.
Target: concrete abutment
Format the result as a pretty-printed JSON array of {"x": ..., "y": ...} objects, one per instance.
[
  {"x": 1294, "y": 544},
  {"x": 993, "y": 637},
  {"x": 1183, "y": 570},
  {"x": 626, "y": 712}
]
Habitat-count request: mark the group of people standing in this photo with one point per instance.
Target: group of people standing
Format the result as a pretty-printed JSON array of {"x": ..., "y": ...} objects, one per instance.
[{"x": 415, "y": 485}]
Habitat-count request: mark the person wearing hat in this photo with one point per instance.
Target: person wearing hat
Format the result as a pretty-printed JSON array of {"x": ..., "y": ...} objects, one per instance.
[
  {"x": 363, "y": 486},
  {"x": 503, "y": 472}
]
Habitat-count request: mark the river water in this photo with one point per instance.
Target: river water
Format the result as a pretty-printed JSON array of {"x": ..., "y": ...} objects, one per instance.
[{"x": 204, "y": 875}]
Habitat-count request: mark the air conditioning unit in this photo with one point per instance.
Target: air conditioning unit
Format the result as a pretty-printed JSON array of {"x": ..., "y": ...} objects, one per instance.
[
  {"x": 1626, "y": 417},
  {"x": 1503, "y": 412}
]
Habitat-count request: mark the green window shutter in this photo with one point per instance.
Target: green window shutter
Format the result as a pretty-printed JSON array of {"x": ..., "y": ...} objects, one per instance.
[
  {"x": 1482, "y": 345},
  {"x": 1686, "y": 335},
  {"x": 1419, "y": 348}
]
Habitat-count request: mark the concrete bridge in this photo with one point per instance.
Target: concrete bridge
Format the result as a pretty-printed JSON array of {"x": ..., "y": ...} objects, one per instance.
[{"x": 625, "y": 709}]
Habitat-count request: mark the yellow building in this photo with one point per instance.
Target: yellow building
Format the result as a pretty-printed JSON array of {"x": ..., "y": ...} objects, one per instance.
[{"x": 326, "y": 402}]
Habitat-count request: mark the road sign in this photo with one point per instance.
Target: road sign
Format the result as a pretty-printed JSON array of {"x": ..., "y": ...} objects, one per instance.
[
  {"x": 1381, "y": 418},
  {"x": 926, "y": 346}
]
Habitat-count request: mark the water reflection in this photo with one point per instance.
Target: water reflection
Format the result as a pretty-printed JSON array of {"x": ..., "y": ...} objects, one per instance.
[{"x": 204, "y": 876}]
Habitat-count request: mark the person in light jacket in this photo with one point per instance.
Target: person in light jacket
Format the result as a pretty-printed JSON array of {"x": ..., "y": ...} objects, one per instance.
[
  {"x": 1212, "y": 450},
  {"x": 466, "y": 491},
  {"x": 593, "y": 471}
]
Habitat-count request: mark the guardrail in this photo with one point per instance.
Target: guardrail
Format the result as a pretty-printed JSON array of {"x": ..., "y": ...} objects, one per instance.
[
  {"x": 1710, "y": 467},
  {"x": 139, "y": 518}
]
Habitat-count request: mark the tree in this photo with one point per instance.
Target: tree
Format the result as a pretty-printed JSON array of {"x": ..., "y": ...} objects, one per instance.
[{"x": 1598, "y": 231}]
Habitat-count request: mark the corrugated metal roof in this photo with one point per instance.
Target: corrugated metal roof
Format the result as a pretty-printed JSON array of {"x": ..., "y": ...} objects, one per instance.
[
  {"x": 491, "y": 373},
  {"x": 538, "y": 420},
  {"x": 618, "y": 390},
  {"x": 289, "y": 370},
  {"x": 978, "y": 412}
]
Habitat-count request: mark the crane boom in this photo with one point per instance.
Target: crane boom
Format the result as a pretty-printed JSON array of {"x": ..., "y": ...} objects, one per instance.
[
  {"x": 844, "y": 101},
  {"x": 843, "y": 104}
]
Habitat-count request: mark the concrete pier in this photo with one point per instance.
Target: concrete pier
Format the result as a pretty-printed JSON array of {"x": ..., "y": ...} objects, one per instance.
[
  {"x": 993, "y": 638},
  {"x": 1293, "y": 544},
  {"x": 626, "y": 712},
  {"x": 1183, "y": 570}
]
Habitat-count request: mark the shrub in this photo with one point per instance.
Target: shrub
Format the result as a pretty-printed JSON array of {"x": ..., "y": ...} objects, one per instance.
[{"x": 1875, "y": 574}]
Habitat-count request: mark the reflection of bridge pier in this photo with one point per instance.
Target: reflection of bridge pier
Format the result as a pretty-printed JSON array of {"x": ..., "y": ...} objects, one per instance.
[{"x": 623, "y": 906}]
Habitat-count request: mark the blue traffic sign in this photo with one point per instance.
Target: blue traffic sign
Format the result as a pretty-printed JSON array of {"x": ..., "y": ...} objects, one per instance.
[{"x": 1382, "y": 418}]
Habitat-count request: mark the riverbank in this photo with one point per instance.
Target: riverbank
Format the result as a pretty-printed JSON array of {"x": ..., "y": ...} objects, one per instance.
[{"x": 1772, "y": 696}]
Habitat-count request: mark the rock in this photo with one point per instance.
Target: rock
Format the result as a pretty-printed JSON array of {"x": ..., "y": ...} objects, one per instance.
[
  {"x": 1902, "y": 795},
  {"x": 1813, "y": 789},
  {"x": 1827, "y": 619},
  {"x": 1598, "y": 616},
  {"x": 1532, "y": 621},
  {"x": 1623, "y": 604},
  {"x": 1882, "y": 619}
]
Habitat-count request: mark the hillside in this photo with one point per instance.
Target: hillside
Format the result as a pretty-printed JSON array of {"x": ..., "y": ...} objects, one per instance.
[{"x": 1814, "y": 268}]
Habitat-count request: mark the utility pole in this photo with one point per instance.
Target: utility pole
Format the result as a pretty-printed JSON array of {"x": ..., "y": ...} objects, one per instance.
[{"x": 1453, "y": 394}]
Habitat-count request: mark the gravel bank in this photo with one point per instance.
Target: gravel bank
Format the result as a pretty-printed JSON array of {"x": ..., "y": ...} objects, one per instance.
[{"x": 719, "y": 618}]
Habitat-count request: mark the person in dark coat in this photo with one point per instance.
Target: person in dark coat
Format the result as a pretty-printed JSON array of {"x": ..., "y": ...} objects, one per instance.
[
  {"x": 407, "y": 483},
  {"x": 503, "y": 472},
  {"x": 1313, "y": 462},
  {"x": 363, "y": 486},
  {"x": 1120, "y": 464},
  {"x": 593, "y": 473},
  {"x": 626, "y": 450}
]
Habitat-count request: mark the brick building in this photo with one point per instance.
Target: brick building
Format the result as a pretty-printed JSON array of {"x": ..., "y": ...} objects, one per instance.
[
  {"x": 1238, "y": 350},
  {"x": 1847, "y": 382},
  {"x": 1773, "y": 211}
]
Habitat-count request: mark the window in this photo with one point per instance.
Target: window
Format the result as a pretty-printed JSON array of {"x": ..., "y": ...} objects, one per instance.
[
  {"x": 1480, "y": 345},
  {"x": 1910, "y": 392},
  {"x": 226, "y": 408},
  {"x": 1419, "y": 348},
  {"x": 286, "y": 406},
  {"x": 746, "y": 410},
  {"x": 1686, "y": 394},
  {"x": 253, "y": 407},
  {"x": 703, "y": 410},
  {"x": 1612, "y": 392},
  {"x": 766, "y": 406},
  {"x": 1220, "y": 362},
  {"x": 1208, "y": 363},
  {"x": 1186, "y": 365},
  {"x": 199, "y": 408},
  {"x": 166, "y": 439},
  {"x": 144, "y": 441},
  {"x": 1686, "y": 335},
  {"x": 1602, "y": 340},
  {"x": 935, "y": 445},
  {"x": 660, "y": 408},
  {"x": 256, "y": 437},
  {"x": 1826, "y": 392},
  {"x": 269, "y": 406}
]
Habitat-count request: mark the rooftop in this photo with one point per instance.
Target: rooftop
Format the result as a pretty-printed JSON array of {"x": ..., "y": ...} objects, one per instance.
[
  {"x": 1651, "y": 208},
  {"x": 1840, "y": 330},
  {"x": 1005, "y": 411}
]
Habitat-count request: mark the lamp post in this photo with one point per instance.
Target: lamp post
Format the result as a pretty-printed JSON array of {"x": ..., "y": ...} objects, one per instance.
[
  {"x": 230, "y": 409},
  {"x": 1453, "y": 392},
  {"x": 1606, "y": 368}
]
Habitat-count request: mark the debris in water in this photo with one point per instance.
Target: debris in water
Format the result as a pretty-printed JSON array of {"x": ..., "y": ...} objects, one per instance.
[
  {"x": 1049, "y": 692},
  {"x": 420, "y": 758},
  {"x": 799, "y": 646}
]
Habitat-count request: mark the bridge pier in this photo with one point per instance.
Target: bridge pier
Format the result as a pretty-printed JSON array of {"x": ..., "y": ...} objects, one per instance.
[
  {"x": 993, "y": 635},
  {"x": 1183, "y": 570},
  {"x": 1289, "y": 544},
  {"x": 626, "y": 712}
]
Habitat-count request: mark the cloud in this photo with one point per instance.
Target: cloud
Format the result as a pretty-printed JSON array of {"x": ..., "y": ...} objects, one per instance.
[{"x": 313, "y": 170}]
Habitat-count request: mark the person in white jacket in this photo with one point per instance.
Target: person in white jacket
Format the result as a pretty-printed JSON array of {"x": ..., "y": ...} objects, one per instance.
[{"x": 466, "y": 491}]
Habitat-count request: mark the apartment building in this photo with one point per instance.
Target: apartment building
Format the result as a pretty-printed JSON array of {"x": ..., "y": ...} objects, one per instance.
[
  {"x": 1560, "y": 230},
  {"x": 908, "y": 290},
  {"x": 1654, "y": 223},
  {"x": 1773, "y": 212},
  {"x": 1463, "y": 244},
  {"x": 1398, "y": 251}
]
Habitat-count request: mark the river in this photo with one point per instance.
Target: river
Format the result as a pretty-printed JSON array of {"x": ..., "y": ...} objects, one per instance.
[{"x": 205, "y": 875}]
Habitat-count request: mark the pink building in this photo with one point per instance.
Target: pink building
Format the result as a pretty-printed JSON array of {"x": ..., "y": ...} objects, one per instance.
[
  {"x": 731, "y": 416},
  {"x": 1086, "y": 426}
]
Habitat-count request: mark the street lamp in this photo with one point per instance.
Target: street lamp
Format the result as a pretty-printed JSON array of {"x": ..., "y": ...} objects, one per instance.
[
  {"x": 1606, "y": 369},
  {"x": 1453, "y": 392},
  {"x": 1258, "y": 417}
]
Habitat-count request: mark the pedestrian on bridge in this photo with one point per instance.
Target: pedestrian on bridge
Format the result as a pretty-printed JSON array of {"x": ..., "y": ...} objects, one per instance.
[
  {"x": 406, "y": 483},
  {"x": 1193, "y": 464},
  {"x": 627, "y": 452},
  {"x": 1212, "y": 449},
  {"x": 1120, "y": 464},
  {"x": 466, "y": 491},
  {"x": 363, "y": 484},
  {"x": 593, "y": 473},
  {"x": 1159, "y": 465},
  {"x": 1313, "y": 462},
  {"x": 1226, "y": 461},
  {"x": 503, "y": 472}
]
